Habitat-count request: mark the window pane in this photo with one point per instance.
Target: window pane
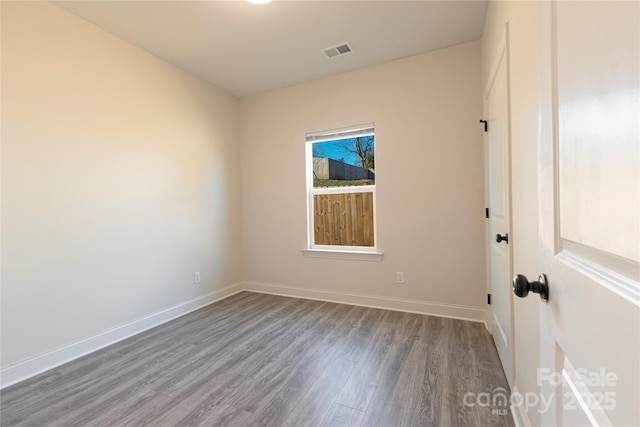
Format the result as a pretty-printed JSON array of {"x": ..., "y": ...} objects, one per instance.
[
  {"x": 343, "y": 219},
  {"x": 344, "y": 162}
]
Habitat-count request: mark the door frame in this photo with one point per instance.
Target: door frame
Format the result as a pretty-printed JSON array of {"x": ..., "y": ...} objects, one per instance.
[{"x": 502, "y": 54}]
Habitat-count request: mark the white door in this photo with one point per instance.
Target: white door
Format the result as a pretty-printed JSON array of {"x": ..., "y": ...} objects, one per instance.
[
  {"x": 498, "y": 173},
  {"x": 589, "y": 148}
]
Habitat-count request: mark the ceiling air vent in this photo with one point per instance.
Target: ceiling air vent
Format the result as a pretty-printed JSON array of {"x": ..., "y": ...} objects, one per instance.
[{"x": 333, "y": 51}]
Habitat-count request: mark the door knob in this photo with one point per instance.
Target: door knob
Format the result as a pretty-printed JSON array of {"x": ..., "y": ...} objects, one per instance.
[
  {"x": 522, "y": 286},
  {"x": 504, "y": 238}
]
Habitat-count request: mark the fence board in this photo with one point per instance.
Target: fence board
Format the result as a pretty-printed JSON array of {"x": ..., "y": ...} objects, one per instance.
[{"x": 344, "y": 219}]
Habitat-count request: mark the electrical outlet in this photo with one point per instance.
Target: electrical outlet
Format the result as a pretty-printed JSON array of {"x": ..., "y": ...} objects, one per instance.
[
  {"x": 196, "y": 277},
  {"x": 400, "y": 277}
]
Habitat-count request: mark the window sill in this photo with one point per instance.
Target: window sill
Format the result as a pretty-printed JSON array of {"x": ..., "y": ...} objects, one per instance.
[{"x": 338, "y": 254}]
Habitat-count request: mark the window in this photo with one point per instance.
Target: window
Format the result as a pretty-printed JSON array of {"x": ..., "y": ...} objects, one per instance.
[{"x": 341, "y": 187}]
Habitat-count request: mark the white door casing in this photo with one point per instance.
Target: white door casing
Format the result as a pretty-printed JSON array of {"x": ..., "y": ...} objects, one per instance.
[
  {"x": 499, "y": 203},
  {"x": 589, "y": 204}
]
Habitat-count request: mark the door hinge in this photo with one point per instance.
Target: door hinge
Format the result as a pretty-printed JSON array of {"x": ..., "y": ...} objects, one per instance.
[
  {"x": 489, "y": 299},
  {"x": 486, "y": 213},
  {"x": 485, "y": 125}
]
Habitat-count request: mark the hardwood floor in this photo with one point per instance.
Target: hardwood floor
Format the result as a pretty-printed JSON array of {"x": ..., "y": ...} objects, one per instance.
[{"x": 256, "y": 359}]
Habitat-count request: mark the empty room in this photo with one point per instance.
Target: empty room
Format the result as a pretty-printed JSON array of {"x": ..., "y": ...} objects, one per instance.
[{"x": 320, "y": 213}]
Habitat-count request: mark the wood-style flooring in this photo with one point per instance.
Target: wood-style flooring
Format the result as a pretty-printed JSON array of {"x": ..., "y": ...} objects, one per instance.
[{"x": 256, "y": 360}]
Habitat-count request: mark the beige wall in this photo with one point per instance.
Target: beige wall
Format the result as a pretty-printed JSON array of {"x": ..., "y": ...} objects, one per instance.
[
  {"x": 120, "y": 179},
  {"x": 429, "y": 177},
  {"x": 521, "y": 16}
]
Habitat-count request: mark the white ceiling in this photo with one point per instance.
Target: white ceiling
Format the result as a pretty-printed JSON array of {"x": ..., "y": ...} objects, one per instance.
[{"x": 246, "y": 49}]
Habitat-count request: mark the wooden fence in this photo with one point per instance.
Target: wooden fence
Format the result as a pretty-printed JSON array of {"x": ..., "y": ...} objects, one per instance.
[{"x": 344, "y": 219}]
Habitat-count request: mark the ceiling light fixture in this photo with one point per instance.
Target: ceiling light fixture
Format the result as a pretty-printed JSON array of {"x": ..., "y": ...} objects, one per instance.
[{"x": 259, "y": 1}]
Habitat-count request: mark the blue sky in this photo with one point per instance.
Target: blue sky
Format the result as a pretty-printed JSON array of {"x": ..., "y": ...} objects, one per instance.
[{"x": 333, "y": 150}]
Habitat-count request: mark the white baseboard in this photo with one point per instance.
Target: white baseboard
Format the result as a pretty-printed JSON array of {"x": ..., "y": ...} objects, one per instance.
[
  {"x": 27, "y": 368},
  {"x": 519, "y": 412},
  {"x": 488, "y": 317},
  {"x": 462, "y": 312}
]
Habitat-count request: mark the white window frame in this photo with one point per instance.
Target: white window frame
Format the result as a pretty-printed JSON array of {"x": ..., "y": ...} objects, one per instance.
[{"x": 338, "y": 251}]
